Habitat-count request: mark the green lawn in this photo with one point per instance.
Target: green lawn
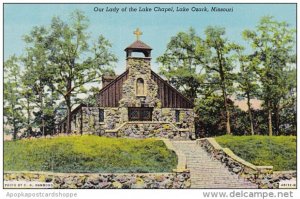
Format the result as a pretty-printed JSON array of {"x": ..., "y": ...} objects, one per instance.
[
  {"x": 88, "y": 154},
  {"x": 277, "y": 151}
]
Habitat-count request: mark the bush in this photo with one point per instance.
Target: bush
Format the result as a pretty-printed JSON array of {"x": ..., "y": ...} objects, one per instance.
[
  {"x": 88, "y": 154},
  {"x": 276, "y": 151}
]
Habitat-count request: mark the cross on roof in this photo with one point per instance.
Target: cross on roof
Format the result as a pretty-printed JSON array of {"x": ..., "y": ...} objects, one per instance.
[{"x": 137, "y": 33}]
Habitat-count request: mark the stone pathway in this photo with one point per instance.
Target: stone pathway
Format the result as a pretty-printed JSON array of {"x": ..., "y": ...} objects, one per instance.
[{"x": 207, "y": 172}]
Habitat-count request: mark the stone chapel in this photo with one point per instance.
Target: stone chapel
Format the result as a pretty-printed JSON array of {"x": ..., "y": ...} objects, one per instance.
[{"x": 138, "y": 103}]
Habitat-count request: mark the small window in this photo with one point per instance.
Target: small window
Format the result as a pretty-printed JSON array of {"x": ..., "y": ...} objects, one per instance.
[
  {"x": 140, "y": 114},
  {"x": 177, "y": 113},
  {"x": 101, "y": 115},
  {"x": 140, "y": 87}
]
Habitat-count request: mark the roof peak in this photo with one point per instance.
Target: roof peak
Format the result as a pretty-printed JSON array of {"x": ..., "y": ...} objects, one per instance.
[{"x": 138, "y": 44}]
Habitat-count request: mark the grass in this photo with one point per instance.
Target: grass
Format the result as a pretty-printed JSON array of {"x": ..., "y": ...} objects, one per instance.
[
  {"x": 88, "y": 154},
  {"x": 277, "y": 151}
]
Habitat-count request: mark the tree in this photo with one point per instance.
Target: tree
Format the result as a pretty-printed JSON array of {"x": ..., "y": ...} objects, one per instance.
[
  {"x": 220, "y": 68},
  {"x": 68, "y": 44},
  {"x": 13, "y": 116},
  {"x": 27, "y": 97},
  {"x": 247, "y": 82},
  {"x": 75, "y": 62},
  {"x": 288, "y": 105},
  {"x": 38, "y": 78},
  {"x": 183, "y": 62},
  {"x": 273, "y": 44},
  {"x": 210, "y": 121}
]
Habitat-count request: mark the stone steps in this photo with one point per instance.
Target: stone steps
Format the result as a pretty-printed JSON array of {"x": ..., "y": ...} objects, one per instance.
[{"x": 207, "y": 172}]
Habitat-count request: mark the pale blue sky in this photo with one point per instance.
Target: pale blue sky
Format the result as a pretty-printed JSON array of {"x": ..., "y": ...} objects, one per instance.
[{"x": 157, "y": 27}]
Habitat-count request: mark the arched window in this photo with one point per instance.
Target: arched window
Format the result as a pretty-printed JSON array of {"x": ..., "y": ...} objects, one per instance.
[{"x": 140, "y": 90}]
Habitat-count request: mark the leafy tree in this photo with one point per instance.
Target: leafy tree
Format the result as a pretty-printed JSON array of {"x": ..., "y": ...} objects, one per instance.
[
  {"x": 247, "y": 82},
  {"x": 212, "y": 117},
  {"x": 38, "y": 78},
  {"x": 76, "y": 63},
  {"x": 273, "y": 44},
  {"x": 72, "y": 60},
  {"x": 288, "y": 109},
  {"x": 27, "y": 97},
  {"x": 13, "y": 116},
  {"x": 183, "y": 61},
  {"x": 220, "y": 68},
  {"x": 211, "y": 120}
]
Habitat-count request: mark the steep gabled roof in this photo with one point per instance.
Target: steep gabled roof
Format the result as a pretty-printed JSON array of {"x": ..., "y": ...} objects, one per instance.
[
  {"x": 170, "y": 96},
  {"x": 138, "y": 45},
  {"x": 110, "y": 95},
  {"x": 113, "y": 81}
]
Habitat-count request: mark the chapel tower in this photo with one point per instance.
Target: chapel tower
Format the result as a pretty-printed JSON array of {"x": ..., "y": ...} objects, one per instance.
[{"x": 138, "y": 49}]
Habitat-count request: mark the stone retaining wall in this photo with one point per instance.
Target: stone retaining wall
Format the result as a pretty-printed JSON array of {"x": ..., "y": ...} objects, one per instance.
[
  {"x": 178, "y": 179},
  {"x": 263, "y": 176},
  {"x": 174, "y": 180}
]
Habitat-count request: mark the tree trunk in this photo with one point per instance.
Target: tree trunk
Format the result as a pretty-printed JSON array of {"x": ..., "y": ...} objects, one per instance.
[
  {"x": 28, "y": 119},
  {"x": 228, "y": 129},
  {"x": 68, "y": 116},
  {"x": 223, "y": 87},
  {"x": 43, "y": 125},
  {"x": 41, "y": 98},
  {"x": 14, "y": 122},
  {"x": 15, "y": 130},
  {"x": 250, "y": 114},
  {"x": 69, "y": 107},
  {"x": 270, "y": 119},
  {"x": 276, "y": 122}
]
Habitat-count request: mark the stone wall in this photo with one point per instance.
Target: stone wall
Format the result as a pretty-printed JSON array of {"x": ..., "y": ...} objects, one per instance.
[
  {"x": 113, "y": 118},
  {"x": 186, "y": 117},
  {"x": 116, "y": 123},
  {"x": 105, "y": 180},
  {"x": 86, "y": 121},
  {"x": 282, "y": 176},
  {"x": 139, "y": 68},
  {"x": 90, "y": 120},
  {"x": 152, "y": 129},
  {"x": 263, "y": 176}
]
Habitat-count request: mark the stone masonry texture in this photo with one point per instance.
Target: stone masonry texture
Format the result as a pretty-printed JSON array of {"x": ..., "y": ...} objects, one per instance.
[
  {"x": 105, "y": 180},
  {"x": 116, "y": 123}
]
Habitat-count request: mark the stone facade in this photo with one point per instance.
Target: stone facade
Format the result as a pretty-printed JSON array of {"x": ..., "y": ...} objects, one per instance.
[
  {"x": 174, "y": 180},
  {"x": 136, "y": 92},
  {"x": 115, "y": 123},
  {"x": 139, "y": 68}
]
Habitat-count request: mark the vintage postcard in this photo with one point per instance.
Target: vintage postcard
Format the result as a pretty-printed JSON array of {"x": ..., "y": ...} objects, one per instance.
[{"x": 150, "y": 96}]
